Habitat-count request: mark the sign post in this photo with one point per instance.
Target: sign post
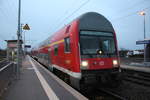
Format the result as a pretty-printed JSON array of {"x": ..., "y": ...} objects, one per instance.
[{"x": 25, "y": 27}]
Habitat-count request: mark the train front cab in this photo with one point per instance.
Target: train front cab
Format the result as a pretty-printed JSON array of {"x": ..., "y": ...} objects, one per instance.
[{"x": 99, "y": 62}]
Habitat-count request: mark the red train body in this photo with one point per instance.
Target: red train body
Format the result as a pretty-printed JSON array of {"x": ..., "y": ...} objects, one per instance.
[{"x": 84, "y": 51}]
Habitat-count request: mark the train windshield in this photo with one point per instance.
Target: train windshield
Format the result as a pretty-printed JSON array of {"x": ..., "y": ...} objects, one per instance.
[{"x": 97, "y": 43}]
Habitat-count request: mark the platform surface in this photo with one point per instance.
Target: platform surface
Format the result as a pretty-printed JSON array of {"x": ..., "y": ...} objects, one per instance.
[
  {"x": 37, "y": 83},
  {"x": 136, "y": 68}
]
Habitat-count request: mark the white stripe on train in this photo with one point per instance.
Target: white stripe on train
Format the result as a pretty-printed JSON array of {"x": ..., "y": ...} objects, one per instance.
[{"x": 73, "y": 74}]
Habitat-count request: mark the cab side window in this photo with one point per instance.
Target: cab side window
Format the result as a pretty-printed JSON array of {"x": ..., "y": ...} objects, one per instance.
[{"x": 67, "y": 44}]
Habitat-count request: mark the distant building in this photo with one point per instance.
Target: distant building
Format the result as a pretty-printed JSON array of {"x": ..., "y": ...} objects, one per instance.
[
  {"x": 12, "y": 49},
  {"x": 129, "y": 53}
]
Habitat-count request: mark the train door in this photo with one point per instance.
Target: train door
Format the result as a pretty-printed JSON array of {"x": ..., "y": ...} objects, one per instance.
[
  {"x": 50, "y": 60},
  {"x": 49, "y": 56}
]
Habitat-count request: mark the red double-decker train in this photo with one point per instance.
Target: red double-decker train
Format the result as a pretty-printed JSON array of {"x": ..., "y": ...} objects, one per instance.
[{"x": 83, "y": 52}]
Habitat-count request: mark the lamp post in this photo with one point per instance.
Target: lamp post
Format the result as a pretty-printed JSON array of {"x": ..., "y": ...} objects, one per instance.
[
  {"x": 18, "y": 41},
  {"x": 142, "y": 13}
]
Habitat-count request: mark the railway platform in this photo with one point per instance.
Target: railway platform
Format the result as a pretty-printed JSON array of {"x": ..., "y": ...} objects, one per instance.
[
  {"x": 136, "y": 68},
  {"x": 37, "y": 83}
]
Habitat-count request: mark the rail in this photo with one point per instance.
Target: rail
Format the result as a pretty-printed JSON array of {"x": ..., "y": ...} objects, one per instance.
[
  {"x": 115, "y": 95},
  {"x": 2, "y": 60},
  {"x": 6, "y": 74},
  {"x": 139, "y": 77},
  {"x": 3, "y": 63}
]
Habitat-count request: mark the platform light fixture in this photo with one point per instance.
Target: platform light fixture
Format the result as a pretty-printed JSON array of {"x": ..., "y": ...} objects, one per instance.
[{"x": 143, "y": 13}]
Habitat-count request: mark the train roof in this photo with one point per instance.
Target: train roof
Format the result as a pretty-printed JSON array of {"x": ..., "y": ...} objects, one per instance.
[
  {"x": 88, "y": 21},
  {"x": 94, "y": 21}
]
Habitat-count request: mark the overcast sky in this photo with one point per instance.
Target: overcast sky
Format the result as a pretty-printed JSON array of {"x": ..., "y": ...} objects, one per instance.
[{"x": 47, "y": 16}]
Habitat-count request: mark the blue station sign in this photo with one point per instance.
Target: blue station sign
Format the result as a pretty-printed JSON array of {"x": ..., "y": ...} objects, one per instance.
[{"x": 143, "y": 42}]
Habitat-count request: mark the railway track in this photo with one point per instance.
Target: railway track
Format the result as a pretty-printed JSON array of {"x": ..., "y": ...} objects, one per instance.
[
  {"x": 141, "y": 78},
  {"x": 135, "y": 86},
  {"x": 112, "y": 93},
  {"x": 3, "y": 63},
  {"x": 127, "y": 91},
  {"x": 138, "y": 80},
  {"x": 104, "y": 94},
  {"x": 6, "y": 75}
]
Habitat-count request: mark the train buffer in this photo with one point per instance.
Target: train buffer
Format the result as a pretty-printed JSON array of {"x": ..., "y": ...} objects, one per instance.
[{"x": 37, "y": 83}]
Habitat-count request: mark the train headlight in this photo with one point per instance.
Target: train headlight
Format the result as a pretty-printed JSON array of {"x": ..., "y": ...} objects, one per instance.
[
  {"x": 84, "y": 64},
  {"x": 115, "y": 63}
]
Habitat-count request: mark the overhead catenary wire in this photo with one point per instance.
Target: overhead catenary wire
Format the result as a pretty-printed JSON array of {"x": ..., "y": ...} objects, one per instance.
[
  {"x": 12, "y": 4},
  {"x": 131, "y": 7},
  {"x": 68, "y": 9},
  {"x": 83, "y": 4},
  {"x": 64, "y": 13},
  {"x": 13, "y": 10},
  {"x": 5, "y": 14},
  {"x": 76, "y": 10},
  {"x": 8, "y": 18},
  {"x": 123, "y": 17}
]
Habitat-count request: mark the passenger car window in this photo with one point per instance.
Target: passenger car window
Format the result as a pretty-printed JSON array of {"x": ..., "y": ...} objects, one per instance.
[
  {"x": 56, "y": 50},
  {"x": 67, "y": 44}
]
